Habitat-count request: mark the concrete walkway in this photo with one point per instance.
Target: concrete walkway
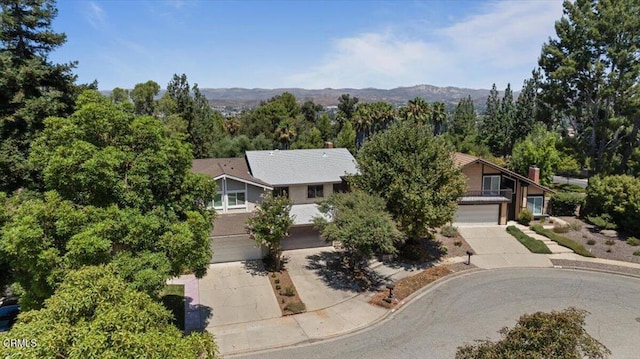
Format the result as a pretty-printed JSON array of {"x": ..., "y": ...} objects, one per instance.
[
  {"x": 495, "y": 248},
  {"x": 332, "y": 312}
]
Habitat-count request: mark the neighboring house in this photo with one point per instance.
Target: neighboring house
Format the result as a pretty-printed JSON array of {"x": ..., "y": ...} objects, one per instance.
[
  {"x": 304, "y": 176},
  {"x": 496, "y": 194}
]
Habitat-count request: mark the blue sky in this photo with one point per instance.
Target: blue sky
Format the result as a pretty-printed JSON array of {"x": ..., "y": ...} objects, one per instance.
[{"x": 309, "y": 44}]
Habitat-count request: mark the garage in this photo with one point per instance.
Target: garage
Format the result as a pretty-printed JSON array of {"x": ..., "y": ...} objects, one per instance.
[
  {"x": 477, "y": 214},
  {"x": 234, "y": 248},
  {"x": 303, "y": 237}
]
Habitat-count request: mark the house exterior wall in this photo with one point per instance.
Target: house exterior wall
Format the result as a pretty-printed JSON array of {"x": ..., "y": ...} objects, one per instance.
[
  {"x": 503, "y": 214},
  {"x": 233, "y": 185},
  {"x": 254, "y": 197},
  {"x": 298, "y": 193},
  {"x": 474, "y": 177}
]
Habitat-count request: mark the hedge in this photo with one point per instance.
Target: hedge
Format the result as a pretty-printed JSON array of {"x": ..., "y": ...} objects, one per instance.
[{"x": 565, "y": 203}]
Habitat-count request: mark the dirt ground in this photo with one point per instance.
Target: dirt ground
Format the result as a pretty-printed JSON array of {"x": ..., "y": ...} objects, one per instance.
[
  {"x": 604, "y": 247},
  {"x": 286, "y": 293}
]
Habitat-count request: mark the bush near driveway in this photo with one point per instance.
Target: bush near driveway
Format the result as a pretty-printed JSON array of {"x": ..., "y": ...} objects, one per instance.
[
  {"x": 563, "y": 241},
  {"x": 565, "y": 203},
  {"x": 533, "y": 245},
  {"x": 617, "y": 197}
]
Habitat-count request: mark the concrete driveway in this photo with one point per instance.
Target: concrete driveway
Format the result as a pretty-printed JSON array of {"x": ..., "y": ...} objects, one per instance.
[
  {"x": 317, "y": 286},
  {"x": 495, "y": 248},
  {"x": 238, "y": 292}
]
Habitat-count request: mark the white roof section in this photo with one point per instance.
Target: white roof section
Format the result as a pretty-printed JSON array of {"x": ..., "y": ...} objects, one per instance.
[
  {"x": 303, "y": 214},
  {"x": 290, "y": 167}
]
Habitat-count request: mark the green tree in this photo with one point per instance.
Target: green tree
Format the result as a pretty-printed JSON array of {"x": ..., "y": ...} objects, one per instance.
[
  {"x": 270, "y": 224},
  {"x": 347, "y": 138},
  {"x": 310, "y": 110},
  {"x": 117, "y": 185},
  {"x": 616, "y": 197},
  {"x": 463, "y": 121},
  {"x": 417, "y": 110},
  {"x": 309, "y": 139},
  {"x": 438, "y": 116},
  {"x": 537, "y": 149},
  {"x": 285, "y": 133},
  {"x": 143, "y": 96},
  {"x": 526, "y": 111},
  {"x": 203, "y": 125},
  {"x": 506, "y": 119},
  {"x": 94, "y": 314},
  {"x": 324, "y": 125},
  {"x": 347, "y": 106},
  {"x": 541, "y": 335},
  {"x": 414, "y": 172},
  {"x": 360, "y": 223},
  {"x": 31, "y": 87},
  {"x": 491, "y": 128},
  {"x": 589, "y": 78},
  {"x": 119, "y": 95}
]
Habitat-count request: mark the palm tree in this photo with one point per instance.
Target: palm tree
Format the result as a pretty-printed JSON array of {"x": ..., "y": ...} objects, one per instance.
[
  {"x": 285, "y": 133},
  {"x": 438, "y": 116},
  {"x": 362, "y": 122},
  {"x": 417, "y": 110},
  {"x": 231, "y": 126}
]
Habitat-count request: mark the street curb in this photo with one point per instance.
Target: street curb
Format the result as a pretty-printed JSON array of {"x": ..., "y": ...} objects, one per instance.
[{"x": 588, "y": 269}]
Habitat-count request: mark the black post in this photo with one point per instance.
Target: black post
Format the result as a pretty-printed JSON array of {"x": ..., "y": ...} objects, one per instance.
[
  {"x": 389, "y": 299},
  {"x": 469, "y": 253}
]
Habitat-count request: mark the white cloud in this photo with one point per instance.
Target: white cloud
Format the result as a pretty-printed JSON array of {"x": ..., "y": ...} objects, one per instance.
[
  {"x": 501, "y": 44},
  {"x": 95, "y": 15}
]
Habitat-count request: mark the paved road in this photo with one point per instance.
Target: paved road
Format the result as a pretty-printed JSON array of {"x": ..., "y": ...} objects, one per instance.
[
  {"x": 477, "y": 305},
  {"x": 576, "y": 181}
]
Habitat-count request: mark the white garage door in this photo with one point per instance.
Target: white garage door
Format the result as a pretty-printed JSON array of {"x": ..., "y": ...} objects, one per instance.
[
  {"x": 234, "y": 248},
  {"x": 303, "y": 237},
  {"x": 476, "y": 214}
]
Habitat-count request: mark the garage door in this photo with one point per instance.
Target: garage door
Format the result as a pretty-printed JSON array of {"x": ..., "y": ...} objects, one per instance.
[
  {"x": 476, "y": 214},
  {"x": 303, "y": 237},
  {"x": 234, "y": 248}
]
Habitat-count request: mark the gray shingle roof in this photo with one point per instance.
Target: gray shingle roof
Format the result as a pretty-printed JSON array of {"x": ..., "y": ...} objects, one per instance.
[{"x": 289, "y": 167}]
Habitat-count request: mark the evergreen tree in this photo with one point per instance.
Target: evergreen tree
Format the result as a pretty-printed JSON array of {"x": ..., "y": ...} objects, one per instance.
[{"x": 31, "y": 87}]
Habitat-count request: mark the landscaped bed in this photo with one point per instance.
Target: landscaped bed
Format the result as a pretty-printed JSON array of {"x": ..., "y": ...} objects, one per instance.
[
  {"x": 577, "y": 247},
  {"x": 286, "y": 293},
  {"x": 406, "y": 286},
  {"x": 601, "y": 246}
]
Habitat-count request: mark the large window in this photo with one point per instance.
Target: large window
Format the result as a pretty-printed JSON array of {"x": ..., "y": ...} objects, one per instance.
[
  {"x": 315, "y": 191},
  {"x": 281, "y": 192},
  {"x": 236, "y": 199},
  {"x": 217, "y": 201},
  {"x": 534, "y": 204},
  {"x": 491, "y": 185}
]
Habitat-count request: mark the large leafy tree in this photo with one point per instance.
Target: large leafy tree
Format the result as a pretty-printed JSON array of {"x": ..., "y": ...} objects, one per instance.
[
  {"x": 31, "y": 87},
  {"x": 270, "y": 224},
  {"x": 463, "y": 121},
  {"x": 119, "y": 190},
  {"x": 541, "y": 335},
  {"x": 95, "y": 314},
  {"x": 360, "y": 223},
  {"x": 590, "y": 76},
  {"x": 537, "y": 149},
  {"x": 414, "y": 172},
  {"x": 143, "y": 97}
]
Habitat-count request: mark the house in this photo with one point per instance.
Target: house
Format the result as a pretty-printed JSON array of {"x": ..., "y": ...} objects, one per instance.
[
  {"x": 304, "y": 176},
  {"x": 495, "y": 194}
]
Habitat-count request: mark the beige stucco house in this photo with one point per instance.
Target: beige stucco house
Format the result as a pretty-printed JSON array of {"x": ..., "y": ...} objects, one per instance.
[{"x": 496, "y": 194}]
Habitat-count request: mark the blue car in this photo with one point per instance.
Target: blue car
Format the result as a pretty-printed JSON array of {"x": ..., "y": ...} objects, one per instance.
[{"x": 9, "y": 310}]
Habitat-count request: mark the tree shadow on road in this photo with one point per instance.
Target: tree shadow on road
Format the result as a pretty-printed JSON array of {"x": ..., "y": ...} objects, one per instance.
[{"x": 332, "y": 269}]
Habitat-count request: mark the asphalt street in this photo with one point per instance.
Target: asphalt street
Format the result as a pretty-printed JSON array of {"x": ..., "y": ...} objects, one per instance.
[
  {"x": 582, "y": 182},
  {"x": 476, "y": 305}
]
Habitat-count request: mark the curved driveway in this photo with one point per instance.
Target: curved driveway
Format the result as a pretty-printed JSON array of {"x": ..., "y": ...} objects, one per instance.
[{"x": 476, "y": 305}]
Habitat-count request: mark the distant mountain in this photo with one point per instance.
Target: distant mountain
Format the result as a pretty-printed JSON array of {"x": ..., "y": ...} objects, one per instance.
[{"x": 241, "y": 97}]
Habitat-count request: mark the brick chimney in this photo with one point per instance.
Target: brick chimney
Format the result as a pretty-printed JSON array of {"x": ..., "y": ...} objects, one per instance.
[
  {"x": 534, "y": 174},
  {"x": 328, "y": 144}
]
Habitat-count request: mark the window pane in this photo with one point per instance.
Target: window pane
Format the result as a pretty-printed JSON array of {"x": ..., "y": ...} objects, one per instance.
[
  {"x": 534, "y": 204},
  {"x": 240, "y": 198},
  {"x": 319, "y": 191},
  {"x": 217, "y": 200}
]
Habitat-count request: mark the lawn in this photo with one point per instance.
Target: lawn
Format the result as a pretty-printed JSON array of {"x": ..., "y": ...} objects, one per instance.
[
  {"x": 172, "y": 297},
  {"x": 532, "y": 244},
  {"x": 563, "y": 241}
]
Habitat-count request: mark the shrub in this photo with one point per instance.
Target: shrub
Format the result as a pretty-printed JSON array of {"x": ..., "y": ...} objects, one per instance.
[
  {"x": 457, "y": 243},
  {"x": 633, "y": 241},
  {"x": 565, "y": 203},
  {"x": 561, "y": 229},
  {"x": 563, "y": 241},
  {"x": 525, "y": 217},
  {"x": 449, "y": 231},
  {"x": 615, "y": 196},
  {"x": 610, "y": 242},
  {"x": 591, "y": 242},
  {"x": 532, "y": 244},
  {"x": 277, "y": 281},
  {"x": 278, "y": 287},
  {"x": 603, "y": 222},
  {"x": 608, "y": 250},
  {"x": 575, "y": 225},
  {"x": 295, "y": 307},
  {"x": 289, "y": 291},
  {"x": 636, "y": 253}
]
